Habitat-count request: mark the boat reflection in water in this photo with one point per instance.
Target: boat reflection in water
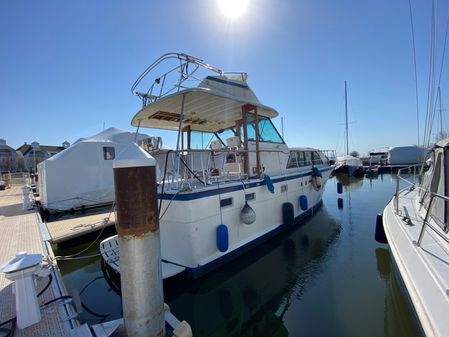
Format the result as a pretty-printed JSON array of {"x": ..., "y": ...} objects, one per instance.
[
  {"x": 349, "y": 183},
  {"x": 397, "y": 313},
  {"x": 250, "y": 296}
]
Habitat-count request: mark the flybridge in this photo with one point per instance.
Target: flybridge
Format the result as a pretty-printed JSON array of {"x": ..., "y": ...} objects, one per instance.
[{"x": 193, "y": 94}]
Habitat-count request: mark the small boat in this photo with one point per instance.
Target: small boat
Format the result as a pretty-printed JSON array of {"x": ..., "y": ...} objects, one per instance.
[
  {"x": 232, "y": 181},
  {"x": 415, "y": 224},
  {"x": 378, "y": 156},
  {"x": 372, "y": 171},
  {"x": 349, "y": 165}
]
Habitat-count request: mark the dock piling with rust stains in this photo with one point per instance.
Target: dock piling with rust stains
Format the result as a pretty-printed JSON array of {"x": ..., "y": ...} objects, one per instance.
[{"x": 139, "y": 241}]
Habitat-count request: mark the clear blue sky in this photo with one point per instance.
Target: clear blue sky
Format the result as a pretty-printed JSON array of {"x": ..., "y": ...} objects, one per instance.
[{"x": 66, "y": 67}]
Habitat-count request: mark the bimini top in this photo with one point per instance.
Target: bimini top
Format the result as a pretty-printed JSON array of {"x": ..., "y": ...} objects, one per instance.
[{"x": 215, "y": 104}]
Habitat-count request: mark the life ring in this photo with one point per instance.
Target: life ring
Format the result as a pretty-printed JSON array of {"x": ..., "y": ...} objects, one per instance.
[{"x": 316, "y": 183}]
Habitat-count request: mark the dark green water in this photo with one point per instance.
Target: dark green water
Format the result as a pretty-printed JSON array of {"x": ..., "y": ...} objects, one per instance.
[{"x": 326, "y": 278}]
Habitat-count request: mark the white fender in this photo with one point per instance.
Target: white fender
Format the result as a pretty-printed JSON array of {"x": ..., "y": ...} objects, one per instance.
[{"x": 316, "y": 183}]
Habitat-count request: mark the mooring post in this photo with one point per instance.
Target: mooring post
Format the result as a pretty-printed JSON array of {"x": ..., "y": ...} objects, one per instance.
[{"x": 139, "y": 242}]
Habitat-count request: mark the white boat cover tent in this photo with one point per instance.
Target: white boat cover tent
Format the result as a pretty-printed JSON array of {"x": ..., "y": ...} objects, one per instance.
[
  {"x": 82, "y": 174},
  {"x": 406, "y": 155},
  {"x": 348, "y": 160}
]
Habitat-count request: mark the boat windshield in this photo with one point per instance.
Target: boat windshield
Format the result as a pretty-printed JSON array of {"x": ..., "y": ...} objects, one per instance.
[
  {"x": 267, "y": 131},
  {"x": 202, "y": 140}
]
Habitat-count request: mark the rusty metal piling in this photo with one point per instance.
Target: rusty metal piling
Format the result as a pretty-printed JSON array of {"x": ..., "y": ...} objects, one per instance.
[{"x": 139, "y": 242}]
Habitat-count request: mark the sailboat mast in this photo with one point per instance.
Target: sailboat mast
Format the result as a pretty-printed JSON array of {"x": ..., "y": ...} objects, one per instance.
[
  {"x": 441, "y": 114},
  {"x": 346, "y": 115}
]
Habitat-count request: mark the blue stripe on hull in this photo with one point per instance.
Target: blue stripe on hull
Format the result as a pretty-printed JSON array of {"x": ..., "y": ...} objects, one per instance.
[{"x": 201, "y": 270}]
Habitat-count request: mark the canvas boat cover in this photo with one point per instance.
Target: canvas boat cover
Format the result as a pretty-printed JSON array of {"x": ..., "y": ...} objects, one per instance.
[{"x": 82, "y": 174}]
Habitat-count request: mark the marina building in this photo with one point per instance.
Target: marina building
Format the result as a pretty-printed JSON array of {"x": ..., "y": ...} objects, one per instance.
[
  {"x": 9, "y": 159},
  {"x": 32, "y": 154}
]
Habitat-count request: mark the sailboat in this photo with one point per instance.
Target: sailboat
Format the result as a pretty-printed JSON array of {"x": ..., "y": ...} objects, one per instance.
[
  {"x": 416, "y": 226},
  {"x": 348, "y": 164}
]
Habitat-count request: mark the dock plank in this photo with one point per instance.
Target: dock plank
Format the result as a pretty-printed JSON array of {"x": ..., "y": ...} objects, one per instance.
[
  {"x": 68, "y": 229},
  {"x": 20, "y": 233}
]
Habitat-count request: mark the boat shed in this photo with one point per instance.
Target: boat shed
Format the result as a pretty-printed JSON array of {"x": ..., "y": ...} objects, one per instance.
[{"x": 9, "y": 159}]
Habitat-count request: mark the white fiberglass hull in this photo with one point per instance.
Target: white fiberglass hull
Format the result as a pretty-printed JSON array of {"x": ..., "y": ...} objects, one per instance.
[
  {"x": 189, "y": 227},
  {"x": 423, "y": 269}
]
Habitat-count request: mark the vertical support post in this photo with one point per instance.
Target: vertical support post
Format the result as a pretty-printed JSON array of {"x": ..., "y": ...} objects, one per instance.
[
  {"x": 182, "y": 140},
  {"x": 256, "y": 127},
  {"x": 426, "y": 219},
  {"x": 189, "y": 132},
  {"x": 178, "y": 152},
  {"x": 238, "y": 125},
  {"x": 245, "y": 141},
  {"x": 396, "y": 198},
  {"x": 139, "y": 242}
]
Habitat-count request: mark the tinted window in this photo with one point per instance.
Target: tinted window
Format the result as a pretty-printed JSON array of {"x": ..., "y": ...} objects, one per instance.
[
  {"x": 316, "y": 158},
  {"x": 108, "y": 153},
  {"x": 292, "y": 160},
  {"x": 267, "y": 131}
]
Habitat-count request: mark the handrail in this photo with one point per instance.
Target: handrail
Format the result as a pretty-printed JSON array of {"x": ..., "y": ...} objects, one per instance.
[
  {"x": 205, "y": 163},
  {"x": 427, "y": 222},
  {"x": 405, "y": 180}
]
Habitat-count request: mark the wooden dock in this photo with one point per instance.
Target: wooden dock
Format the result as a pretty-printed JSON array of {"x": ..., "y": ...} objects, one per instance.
[
  {"x": 20, "y": 233},
  {"x": 64, "y": 230}
]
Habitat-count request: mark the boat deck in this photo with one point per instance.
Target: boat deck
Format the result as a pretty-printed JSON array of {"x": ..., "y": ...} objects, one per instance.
[
  {"x": 64, "y": 230},
  {"x": 424, "y": 269},
  {"x": 20, "y": 233}
]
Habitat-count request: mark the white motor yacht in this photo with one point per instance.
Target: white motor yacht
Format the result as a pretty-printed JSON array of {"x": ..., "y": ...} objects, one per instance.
[{"x": 232, "y": 182}]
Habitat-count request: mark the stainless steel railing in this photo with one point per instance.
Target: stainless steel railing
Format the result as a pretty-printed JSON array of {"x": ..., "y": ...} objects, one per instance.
[
  {"x": 209, "y": 165},
  {"x": 399, "y": 178},
  {"x": 427, "y": 223},
  {"x": 427, "y": 217}
]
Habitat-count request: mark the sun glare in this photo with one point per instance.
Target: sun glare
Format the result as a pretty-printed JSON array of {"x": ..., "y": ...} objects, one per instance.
[{"x": 233, "y": 8}]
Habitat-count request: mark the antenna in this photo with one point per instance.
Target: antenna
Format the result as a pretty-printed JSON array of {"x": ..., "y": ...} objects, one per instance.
[{"x": 282, "y": 127}]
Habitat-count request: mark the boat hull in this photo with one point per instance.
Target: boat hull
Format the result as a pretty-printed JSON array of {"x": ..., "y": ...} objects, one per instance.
[
  {"x": 422, "y": 269},
  {"x": 354, "y": 171},
  {"x": 189, "y": 221}
]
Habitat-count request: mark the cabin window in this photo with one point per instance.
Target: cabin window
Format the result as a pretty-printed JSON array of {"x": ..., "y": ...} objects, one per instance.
[
  {"x": 301, "y": 158},
  {"x": 292, "y": 160},
  {"x": 250, "y": 196},
  {"x": 316, "y": 159},
  {"x": 108, "y": 152},
  {"x": 267, "y": 131},
  {"x": 225, "y": 202},
  {"x": 308, "y": 160}
]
